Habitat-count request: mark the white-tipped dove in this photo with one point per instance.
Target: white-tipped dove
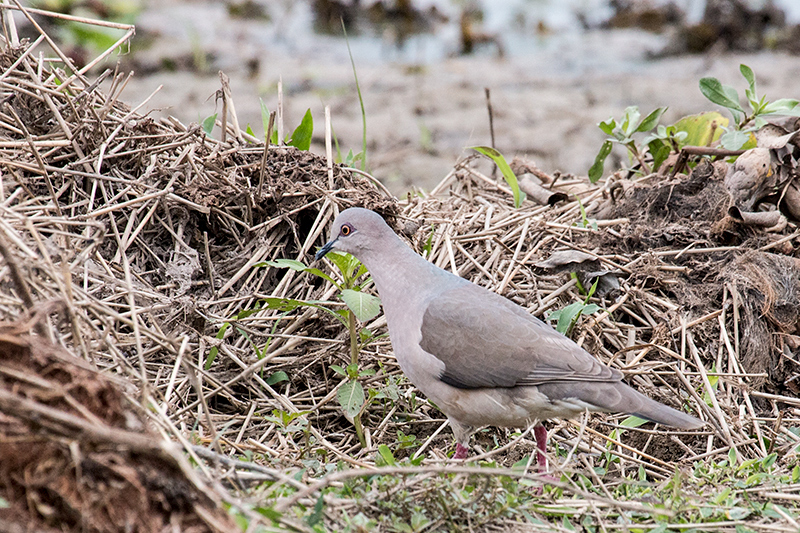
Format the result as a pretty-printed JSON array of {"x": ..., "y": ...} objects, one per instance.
[{"x": 482, "y": 359}]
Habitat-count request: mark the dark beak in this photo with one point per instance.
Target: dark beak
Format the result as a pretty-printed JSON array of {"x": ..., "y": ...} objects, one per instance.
[{"x": 325, "y": 249}]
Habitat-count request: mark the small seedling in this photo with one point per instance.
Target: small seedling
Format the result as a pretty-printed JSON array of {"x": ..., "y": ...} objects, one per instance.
[
  {"x": 746, "y": 121},
  {"x": 567, "y": 317},
  {"x": 505, "y": 169},
  {"x": 360, "y": 306},
  {"x": 208, "y": 123},
  {"x": 300, "y": 137},
  {"x": 586, "y": 222},
  {"x": 622, "y": 133}
]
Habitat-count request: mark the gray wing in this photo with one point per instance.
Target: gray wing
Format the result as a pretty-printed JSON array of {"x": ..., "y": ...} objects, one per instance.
[{"x": 485, "y": 340}]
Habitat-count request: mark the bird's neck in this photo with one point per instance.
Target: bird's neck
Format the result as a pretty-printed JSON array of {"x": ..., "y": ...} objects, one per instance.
[{"x": 406, "y": 275}]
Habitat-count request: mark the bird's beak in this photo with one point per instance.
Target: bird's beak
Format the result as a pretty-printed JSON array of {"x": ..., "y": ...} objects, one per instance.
[{"x": 325, "y": 249}]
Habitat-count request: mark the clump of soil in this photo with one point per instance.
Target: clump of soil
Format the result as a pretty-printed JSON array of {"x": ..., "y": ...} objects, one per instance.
[
  {"x": 668, "y": 212},
  {"x": 690, "y": 212},
  {"x": 767, "y": 289},
  {"x": 75, "y": 455}
]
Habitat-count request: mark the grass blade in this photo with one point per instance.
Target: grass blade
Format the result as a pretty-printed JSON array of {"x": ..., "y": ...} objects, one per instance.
[
  {"x": 508, "y": 174},
  {"x": 360, "y": 102}
]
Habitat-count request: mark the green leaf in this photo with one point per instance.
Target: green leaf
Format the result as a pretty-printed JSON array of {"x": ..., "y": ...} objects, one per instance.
[
  {"x": 352, "y": 371},
  {"x": 270, "y": 513},
  {"x": 590, "y": 309},
  {"x": 351, "y": 398},
  {"x": 301, "y": 137},
  {"x": 660, "y": 151},
  {"x": 365, "y": 306},
  {"x": 212, "y": 353},
  {"x": 738, "y": 513},
  {"x": 567, "y": 316},
  {"x": 419, "y": 521},
  {"x": 209, "y": 123},
  {"x": 608, "y": 126},
  {"x": 732, "y": 95},
  {"x": 97, "y": 37},
  {"x": 316, "y": 516},
  {"x": 747, "y": 72},
  {"x": 288, "y": 304},
  {"x": 735, "y": 140},
  {"x": 769, "y": 460},
  {"x": 339, "y": 370},
  {"x": 285, "y": 263},
  {"x": 719, "y": 94},
  {"x": 702, "y": 129},
  {"x": 365, "y": 335},
  {"x": 249, "y": 130},
  {"x": 651, "y": 120},
  {"x": 592, "y": 289},
  {"x": 596, "y": 172},
  {"x": 633, "y": 422},
  {"x": 320, "y": 274},
  {"x": 298, "y": 266},
  {"x": 277, "y": 377},
  {"x": 345, "y": 262},
  {"x": 779, "y": 107},
  {"x": 360, "y": 101},
  {"x": 631, "y": 120},
  {"x": 284, "y": 304},
  {"x": 386, "y": 455},
  {"x": 509, "y": 176}
]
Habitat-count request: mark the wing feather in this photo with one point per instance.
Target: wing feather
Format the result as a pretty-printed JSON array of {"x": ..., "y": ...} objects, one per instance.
[{"x": 485, "y": 340}]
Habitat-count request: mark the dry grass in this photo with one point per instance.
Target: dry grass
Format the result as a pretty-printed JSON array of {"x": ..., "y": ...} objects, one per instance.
[{"x": 146, "y": 233}]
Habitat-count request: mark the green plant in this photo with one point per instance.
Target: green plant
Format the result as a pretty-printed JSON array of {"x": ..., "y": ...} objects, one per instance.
[
  {"x": 586, "y": 222},
  {"x": 505, "y": 169},
  {"x": 616, "y": 434},
  {"x": 300, "y": 137},
  {"x": 212, "y": 353},
  {"x": 360, "y": 306},
  {"x": 360, "y": 102},
  {"x": 567, "y": 317},
  {"x": 289, "y": 422},
  {"x": 655, "y": 147},
  {"x": 622, "y": 133},
  {"x": 746, "y": 121},
  {"x": 208, "y": 123}
]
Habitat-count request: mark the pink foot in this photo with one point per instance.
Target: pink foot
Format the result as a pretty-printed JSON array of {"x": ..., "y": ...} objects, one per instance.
[
  {"x": 541, "y": 447},
  {"x": 541, "y": 456},
  {"x": 461, "y": 451}
]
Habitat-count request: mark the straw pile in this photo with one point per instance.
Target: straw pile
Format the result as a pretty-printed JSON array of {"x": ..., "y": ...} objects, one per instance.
[{"x": 148, "y": 235}]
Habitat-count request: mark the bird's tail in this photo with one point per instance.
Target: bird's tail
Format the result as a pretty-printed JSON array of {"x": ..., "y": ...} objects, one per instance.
[{"x": 618, "y": 397}]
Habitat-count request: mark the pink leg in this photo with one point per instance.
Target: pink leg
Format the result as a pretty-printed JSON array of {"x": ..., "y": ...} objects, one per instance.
[
  {"x": 540, "y": 433},
  {"x": 461, "y": 451}
]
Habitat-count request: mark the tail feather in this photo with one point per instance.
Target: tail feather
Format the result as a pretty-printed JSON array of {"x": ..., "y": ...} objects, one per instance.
[{"x": 618, "y": 397}]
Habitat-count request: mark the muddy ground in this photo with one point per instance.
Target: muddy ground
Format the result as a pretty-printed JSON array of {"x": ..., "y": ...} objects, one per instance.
[{"x": 423, "y": 114}]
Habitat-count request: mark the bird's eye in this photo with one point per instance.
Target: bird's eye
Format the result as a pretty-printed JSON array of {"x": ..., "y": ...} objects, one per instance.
[{"x": 346, "y": 230}]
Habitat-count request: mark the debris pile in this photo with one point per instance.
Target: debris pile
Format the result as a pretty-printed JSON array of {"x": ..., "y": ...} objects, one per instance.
[{"x": 148, "y": 250}]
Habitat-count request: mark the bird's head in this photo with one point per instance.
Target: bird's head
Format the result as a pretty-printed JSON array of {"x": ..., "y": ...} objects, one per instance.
[{"x": 359, "y": 232}]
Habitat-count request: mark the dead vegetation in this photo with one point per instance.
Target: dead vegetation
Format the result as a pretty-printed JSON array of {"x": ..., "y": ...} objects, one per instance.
[{"x": 128, "y": 244}]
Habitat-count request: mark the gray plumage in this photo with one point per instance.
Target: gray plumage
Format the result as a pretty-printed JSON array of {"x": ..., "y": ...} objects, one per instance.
[{"x": 481, "y": 358}]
